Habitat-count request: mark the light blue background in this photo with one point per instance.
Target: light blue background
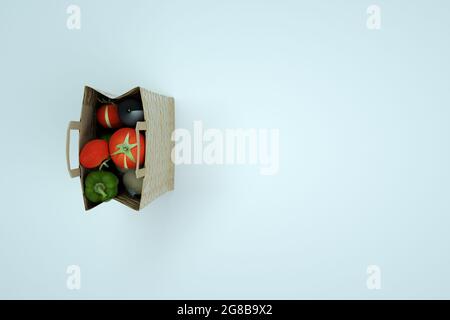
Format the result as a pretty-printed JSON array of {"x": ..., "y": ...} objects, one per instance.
[{"x": 364, "y": 149}]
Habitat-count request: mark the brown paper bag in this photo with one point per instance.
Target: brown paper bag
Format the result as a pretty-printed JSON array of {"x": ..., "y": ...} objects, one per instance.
[{"x": 158, "y": 170}]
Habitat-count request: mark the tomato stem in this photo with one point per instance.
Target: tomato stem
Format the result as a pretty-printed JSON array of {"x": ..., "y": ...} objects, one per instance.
[{"x": 104, "y": 164}]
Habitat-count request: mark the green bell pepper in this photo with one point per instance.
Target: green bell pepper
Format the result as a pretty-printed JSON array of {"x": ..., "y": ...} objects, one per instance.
[
  {"x": 106, "y": 137},
  {"x": 100, "y": 186}
]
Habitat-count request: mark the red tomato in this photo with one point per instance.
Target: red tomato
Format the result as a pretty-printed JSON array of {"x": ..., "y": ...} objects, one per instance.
[
  {"x": 123, "y": 148},
  {"x": 108, "y": 116},
  {"x": 94, "y": 153}
]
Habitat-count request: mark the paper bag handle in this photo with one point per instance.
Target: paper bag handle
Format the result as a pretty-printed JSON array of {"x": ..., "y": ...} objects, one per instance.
[
  {"x": 140, "y": 126},
  {"x": 73, "y": 125}
]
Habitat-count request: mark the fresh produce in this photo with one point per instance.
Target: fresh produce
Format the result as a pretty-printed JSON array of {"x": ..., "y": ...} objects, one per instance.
[
  {"x": 130, "y": 112},
  {"x": 94, "y": 153},
  {"x": 100, "y": 186},
  {"x": 108, "y": 116},
  {"x": 132, "y": 184},
  {"x": 111, "y": 157},
  {"x": 123, "y": 148}
]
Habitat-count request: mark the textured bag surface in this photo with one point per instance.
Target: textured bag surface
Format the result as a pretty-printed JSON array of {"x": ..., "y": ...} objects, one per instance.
[{"x": 158, "y": 169}]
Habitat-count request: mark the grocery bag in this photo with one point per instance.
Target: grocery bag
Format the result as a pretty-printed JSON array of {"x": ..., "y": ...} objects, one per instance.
[{"x": 158, "y": 169}]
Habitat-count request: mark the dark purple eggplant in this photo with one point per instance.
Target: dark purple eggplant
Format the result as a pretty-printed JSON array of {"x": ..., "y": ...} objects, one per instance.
[{"x": 130, "y": 112}]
